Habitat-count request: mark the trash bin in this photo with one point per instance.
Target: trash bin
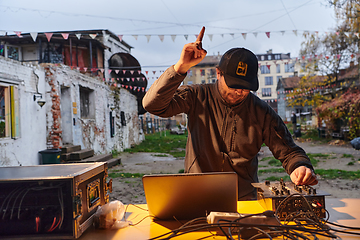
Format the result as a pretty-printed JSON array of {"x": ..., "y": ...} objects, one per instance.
[{"x": 50, "y": 156}]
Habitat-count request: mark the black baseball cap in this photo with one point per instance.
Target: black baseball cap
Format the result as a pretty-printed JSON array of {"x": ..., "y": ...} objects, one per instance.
[{"x": 240, "y": 69}]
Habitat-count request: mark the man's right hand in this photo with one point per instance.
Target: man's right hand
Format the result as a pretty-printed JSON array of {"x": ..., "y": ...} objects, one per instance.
[{"x": 192, "y": 54}]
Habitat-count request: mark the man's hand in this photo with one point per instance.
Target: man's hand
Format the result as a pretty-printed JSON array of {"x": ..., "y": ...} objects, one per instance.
[
  {"x": 303, "y": 176},
  {"x": 192, "y": 54}
]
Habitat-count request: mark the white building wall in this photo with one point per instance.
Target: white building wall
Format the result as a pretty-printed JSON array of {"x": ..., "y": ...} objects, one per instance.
[{"x": 24, "y": 150}]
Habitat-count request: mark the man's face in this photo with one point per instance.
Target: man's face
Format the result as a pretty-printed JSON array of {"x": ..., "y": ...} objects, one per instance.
[{"x": 231, "y": 95}]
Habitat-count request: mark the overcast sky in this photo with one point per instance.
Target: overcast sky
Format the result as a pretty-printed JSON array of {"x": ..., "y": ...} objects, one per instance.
[{"x": 229, "y": 23}]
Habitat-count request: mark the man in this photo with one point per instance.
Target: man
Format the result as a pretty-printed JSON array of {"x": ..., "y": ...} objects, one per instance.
[{"x": 227, "y": 123}]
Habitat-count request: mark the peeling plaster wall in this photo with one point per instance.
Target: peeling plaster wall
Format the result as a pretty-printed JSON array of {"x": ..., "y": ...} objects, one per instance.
[
  {"x": 91, "y": 132},
  {"x": 24, "y": 149}
]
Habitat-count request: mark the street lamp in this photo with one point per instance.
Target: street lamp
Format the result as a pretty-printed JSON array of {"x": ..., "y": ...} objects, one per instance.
[{"x": 40, "y": 102}]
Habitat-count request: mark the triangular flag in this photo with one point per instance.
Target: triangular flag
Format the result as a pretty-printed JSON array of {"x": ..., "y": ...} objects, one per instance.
[
  {"x": 146, "y": 72},
  {"x": 18, "y": 33},
  {"x": 132, "y": 72},
  {"x": 135, "y": 36},
  {"x": 120, "y": 37},
  {"x": 357, "y": 34},
  {"x": 186, "y": 37},
  {"x": 210, "y": 37},
  {"x": 244, "y": 35},
  {"x": 78, "y": 35},
  {"x": 255, "y": 34},
  {"x": 154, "y": 72},
  {"x": 337, "y": 33},
  {"x": 139, "y": 72},
  {"x": 268, "y": 66},
  {"x": 124, "y": 71},
  {"x": 282, "y": 32},
  {"x": 65, "y": 35},
  {"x": 268, "y": 34},
  {"x": 133, "y": 79},
  {"x": 232, "y": 34},
  {"x": 161, "y": 38},
  {"x": 85, "y": 69},
  {"x": 117, "y": 71},
  {"x": 222, "y": 35},
  {"x": 173, "y": 37},
  {"x": 347, "y": 34},
  {"x": 101, "y": 70},
  {"x": 93, "y": 36},
  {"x": 109, "y": 71},
  {"x": 48, "y": 36},
  {"x": 34, "y": 35},
  {"x": 148, "y": 37}
]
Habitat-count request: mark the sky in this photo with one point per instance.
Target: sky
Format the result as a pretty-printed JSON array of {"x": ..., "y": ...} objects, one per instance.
[{"x": 228, "y": 23}]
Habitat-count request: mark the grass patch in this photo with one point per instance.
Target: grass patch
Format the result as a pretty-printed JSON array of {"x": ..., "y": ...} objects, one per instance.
[
  {"x": 158, "y": 143},
  {"x": 336, "y": 173},
  {"x": 266, "y": 158},
  {"x": 350, "y": 163},
  {"x": 275, "y": 163},
  {"x": 125, "y": 175},
  {"x": 181, "y": 171},
  {"x": 347, "y": 155},
  {"x": 272, "y": 170},
  {"x": 273, "y": 178}
]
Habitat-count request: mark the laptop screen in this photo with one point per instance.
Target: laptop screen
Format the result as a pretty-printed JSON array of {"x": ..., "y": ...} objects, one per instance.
[{"x": 192, "y": 195}]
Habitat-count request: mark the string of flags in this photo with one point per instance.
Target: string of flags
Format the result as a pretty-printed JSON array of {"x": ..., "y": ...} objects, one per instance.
[{"x": 173, "y": 37}]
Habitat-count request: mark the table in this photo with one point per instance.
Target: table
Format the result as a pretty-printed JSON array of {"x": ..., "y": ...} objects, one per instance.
[{"x": 342, "y": 211}]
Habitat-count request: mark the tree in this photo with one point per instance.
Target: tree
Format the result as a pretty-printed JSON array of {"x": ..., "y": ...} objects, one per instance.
[{"x": 334, "y": 50}]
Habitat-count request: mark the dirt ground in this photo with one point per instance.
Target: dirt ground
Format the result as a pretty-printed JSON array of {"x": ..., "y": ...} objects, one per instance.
[{"x": 130, "y": 190}]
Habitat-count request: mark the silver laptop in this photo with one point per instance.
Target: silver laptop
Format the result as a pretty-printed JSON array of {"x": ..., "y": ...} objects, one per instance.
[{"x": 192, "y": 195}]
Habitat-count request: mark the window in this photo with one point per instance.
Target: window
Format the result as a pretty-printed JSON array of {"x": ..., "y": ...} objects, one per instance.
[
  {"x": 277, "y": 68},
  {"x": 123, "y": 119},
  {"x": 87, "y": 106},
  {"x": 266, "y": 92},
  {"x": 268, "y": 80},
  {"x": 190, "y": 82},
  {"x": 269, "y": 57},
  {"x": 277, "y": 57},
  {"x": 190, "y": 73},
  {"x": 202, "y": 81},
  {"x": 202, "y": 72},
  {"x": 262, "y": 58},
  {"x": 289, "y": 67},
  {"x": 264, "y": 69},
  {"x": 13, "y": 52},
  {"x": 9, "y": 111}
]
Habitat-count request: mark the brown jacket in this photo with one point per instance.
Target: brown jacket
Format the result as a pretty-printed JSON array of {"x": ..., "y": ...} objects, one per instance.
[{"x": 223, "y": 137}]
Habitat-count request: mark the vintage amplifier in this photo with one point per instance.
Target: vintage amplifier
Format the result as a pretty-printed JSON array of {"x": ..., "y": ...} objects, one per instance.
[{"x": 51, "y": 201}]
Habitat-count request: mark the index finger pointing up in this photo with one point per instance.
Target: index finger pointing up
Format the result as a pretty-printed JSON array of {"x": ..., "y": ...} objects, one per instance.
[{"x": 201, "y": 35}]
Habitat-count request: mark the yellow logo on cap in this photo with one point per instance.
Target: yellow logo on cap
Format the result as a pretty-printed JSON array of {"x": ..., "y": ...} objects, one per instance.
[{"x": 241, "y": 69}]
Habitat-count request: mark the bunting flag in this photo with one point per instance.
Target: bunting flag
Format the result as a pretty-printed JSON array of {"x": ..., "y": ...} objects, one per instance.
[
  {"x": 210, "y": 37},
  {"x": 93, "y": 36},
  {"x": 161, "y": 38},
  {"x": 282, "y": 32},
  {"x": 148, "y": 37},
  {"x": 295, "y": 32},
  {"x": 120, "y": 37},
  {"x": 255, "y": 34},
  {"x": 78, "y": 35},
  {"x": 135, "y": 36},
  {"x": 48, "y": 36},
  {"x": 124, "y": 71},
  {"x": 244, "y": 35},
  {"x": 173, "y": 37},
  {"x": 186, "y": 37},
  {"x": 117, "y": 71},
  {"x": 85, "y": 69},
  {"x": 132, "y": 72},
  {"x": 267, "y": 34},
  {"x": 65, "y": 35},
  {"x": 34, "y": 35},
  {"x": 232, "y": 34},
  {"x": 18, "y": 33}
]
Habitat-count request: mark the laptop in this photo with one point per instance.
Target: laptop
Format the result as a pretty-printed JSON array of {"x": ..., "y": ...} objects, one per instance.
[{"x": 191, "y": 195}]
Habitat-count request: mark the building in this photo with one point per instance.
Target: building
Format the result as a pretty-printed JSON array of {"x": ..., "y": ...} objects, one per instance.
[{"x": 91, "y": 87}]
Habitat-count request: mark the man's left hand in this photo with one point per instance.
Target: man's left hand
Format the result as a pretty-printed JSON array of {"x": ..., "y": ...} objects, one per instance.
[{"x": 303, "y": 176}]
